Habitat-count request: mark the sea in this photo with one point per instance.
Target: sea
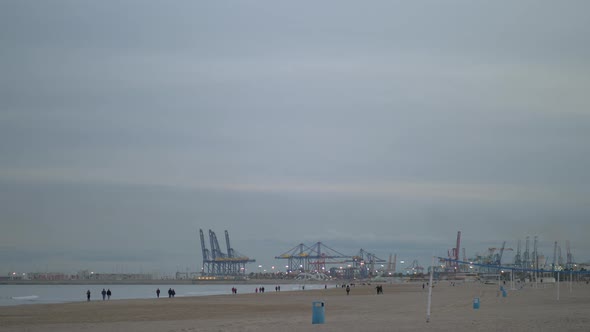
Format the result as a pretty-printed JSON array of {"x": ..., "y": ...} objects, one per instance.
[{"x": 11, "y": 295}]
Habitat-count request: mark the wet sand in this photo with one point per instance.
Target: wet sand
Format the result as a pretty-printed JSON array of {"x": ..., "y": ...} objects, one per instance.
[{"x": 402, "y": 307}]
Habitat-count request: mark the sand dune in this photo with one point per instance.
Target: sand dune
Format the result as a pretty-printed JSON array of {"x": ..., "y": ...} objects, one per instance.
[{"x": 401, "y": 308}]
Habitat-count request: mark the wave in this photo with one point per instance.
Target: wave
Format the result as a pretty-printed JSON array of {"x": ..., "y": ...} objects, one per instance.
[{"x": 25, "y": 298}]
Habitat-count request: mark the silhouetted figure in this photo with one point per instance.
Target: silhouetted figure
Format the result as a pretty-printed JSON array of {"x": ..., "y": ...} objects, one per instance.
[
  {"x": 169, "y": 292},
  {"x": 173, "y": 292},
  {"x": 158, "y": 293},
  {"x": 104, "y": 294},
  {"x": 379, "y": 289},
  {"x": 109, "y": 294},
  {"x": 347, "y": 289},
  {"x": 88, "y": 295}
]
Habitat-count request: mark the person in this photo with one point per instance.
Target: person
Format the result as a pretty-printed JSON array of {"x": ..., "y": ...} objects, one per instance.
[
  {"x": 423, "y": 285},
  {"x": 173, "y": 292},
  {"x": 169, "y": 292},
  {"x": 88, "y": 295},
  {"x": 109, "y": 294},
  {"x": 347, "y": 289},
  {"x": 158, "y": 293},
  {"x": 104, "y": 294}
]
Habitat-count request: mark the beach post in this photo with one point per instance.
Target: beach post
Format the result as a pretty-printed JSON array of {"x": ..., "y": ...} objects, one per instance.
[
  {"x": 430, "y": 292},
  {"x": 318, "y": 312},
  {"x": 476, "y": 303},
  {"x": 557, "y": 285}
]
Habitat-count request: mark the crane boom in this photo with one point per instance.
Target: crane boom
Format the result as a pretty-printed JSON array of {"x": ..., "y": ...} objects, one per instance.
[
  {"x": 230, "y": 251},
  {"x": 501, "y": 253},
  {"x": 204, "y": 249}
]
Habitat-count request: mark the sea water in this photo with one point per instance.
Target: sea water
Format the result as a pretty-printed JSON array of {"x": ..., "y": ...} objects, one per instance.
[{"x": 31, "y": 294}]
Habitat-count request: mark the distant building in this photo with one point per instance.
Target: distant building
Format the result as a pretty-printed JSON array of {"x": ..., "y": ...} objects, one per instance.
[
  {"x": 48, "y": 276},
  {"x": 120, "y": 276}
]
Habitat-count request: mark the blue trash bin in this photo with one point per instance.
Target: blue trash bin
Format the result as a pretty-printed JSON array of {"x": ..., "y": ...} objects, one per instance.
[
  {"x": 476, "y": 303},
  {"x": 318, "y": 312}
]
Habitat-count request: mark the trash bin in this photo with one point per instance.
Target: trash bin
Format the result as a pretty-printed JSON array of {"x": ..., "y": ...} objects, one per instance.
[
  {"x": 476, "y": 303},
  {"x": 318, "y": 312}
]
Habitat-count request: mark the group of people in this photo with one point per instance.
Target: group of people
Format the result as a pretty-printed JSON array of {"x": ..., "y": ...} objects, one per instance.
[
  {"x": 234, "y": 290},
  {"x": 171, "y": 293},
  {"x": 106, "y": 294}
]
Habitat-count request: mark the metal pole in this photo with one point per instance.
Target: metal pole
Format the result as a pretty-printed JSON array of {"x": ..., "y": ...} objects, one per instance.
[
  {"x": 557, "y": 285},
  {"x": 571, "y": 276},
  {"x": 430, "y": 291}
]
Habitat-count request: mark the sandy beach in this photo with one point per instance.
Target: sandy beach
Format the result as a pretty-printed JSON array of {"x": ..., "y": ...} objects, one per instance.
[{"x": 402, "y": 307}]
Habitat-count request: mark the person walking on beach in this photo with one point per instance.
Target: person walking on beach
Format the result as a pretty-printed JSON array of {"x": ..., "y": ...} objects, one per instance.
[
  {"x": 88, "y": 295},
  {"x": 173, "y": 292},
  {"x": 169, "y": 292},
  {"x": 109, "y": 294},
  {"x": 347, "y": 289},
  {"x": 104, "y": 294},
  {"x": 158, "y": 293}
]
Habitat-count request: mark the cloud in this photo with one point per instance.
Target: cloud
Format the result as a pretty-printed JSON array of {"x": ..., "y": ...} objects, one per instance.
[{"x": 440, "y": 190}]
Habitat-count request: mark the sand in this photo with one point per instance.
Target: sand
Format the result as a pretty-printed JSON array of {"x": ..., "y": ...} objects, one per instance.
[{"x": 402, "y": 307}]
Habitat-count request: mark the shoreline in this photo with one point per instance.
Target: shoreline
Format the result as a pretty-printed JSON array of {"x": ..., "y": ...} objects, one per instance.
[{"x": 170, "y": 282}]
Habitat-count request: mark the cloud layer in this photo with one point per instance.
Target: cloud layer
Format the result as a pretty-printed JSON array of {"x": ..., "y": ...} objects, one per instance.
[{"x": 125, "y": 127}]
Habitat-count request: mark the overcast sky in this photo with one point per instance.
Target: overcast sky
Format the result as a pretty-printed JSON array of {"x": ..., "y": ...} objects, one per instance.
[{"x": 125, "y": 126}]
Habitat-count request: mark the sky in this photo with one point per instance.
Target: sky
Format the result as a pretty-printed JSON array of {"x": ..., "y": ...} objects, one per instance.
[{"x": 127, "y": 126}]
